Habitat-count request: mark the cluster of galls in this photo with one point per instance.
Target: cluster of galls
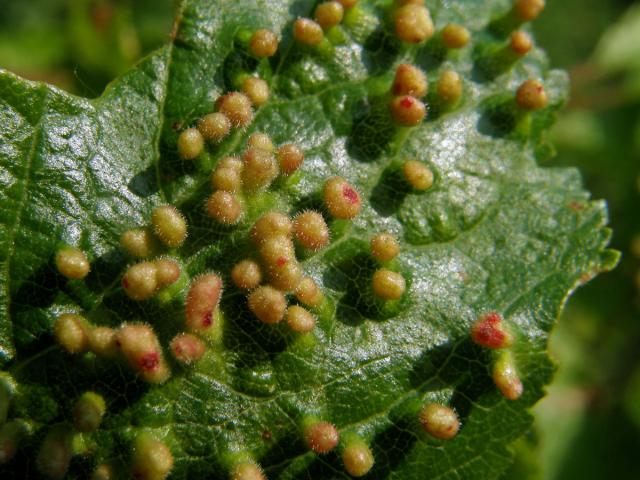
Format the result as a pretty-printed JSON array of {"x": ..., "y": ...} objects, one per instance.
[
  {"x": 260, "y": 165},
  {"x": 234, "y": 109},
  {"x": 413, "y": 25},
  {"x": 274, "y": 234},
  {"x": 490, "y": 331},
  {"x": 327, "y": 15},
  {"x": 151, "y": 459},
  {"x": 275, "y": 272}
]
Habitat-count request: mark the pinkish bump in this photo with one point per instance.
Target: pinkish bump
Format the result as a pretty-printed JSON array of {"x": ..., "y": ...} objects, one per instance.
[
  {"x": 406, "y": 102},
  {"x": 350, "y": 194},
  {"x": 149, "y": 361}
]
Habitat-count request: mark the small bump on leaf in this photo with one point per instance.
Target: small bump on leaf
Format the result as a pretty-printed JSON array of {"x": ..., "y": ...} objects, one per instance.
[
  {"x": 169, "y": 225},
  {"x": 388, "y": 285},
  {"x": 190, "y": 144},
  {"x": 413, "y": 23},
  {"x": 268, "y": 304},
  {"x": 439, "y": 421},
  {"x": 72, "y": 263},
  {"x": 224, "y": 207}
]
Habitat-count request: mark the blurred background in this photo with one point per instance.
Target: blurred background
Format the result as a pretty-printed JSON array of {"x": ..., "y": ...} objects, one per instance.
[{"x": 588, "y": 427}]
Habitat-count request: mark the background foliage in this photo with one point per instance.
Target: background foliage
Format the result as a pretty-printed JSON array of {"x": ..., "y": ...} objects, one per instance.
[{"x": 589, "y": 425}]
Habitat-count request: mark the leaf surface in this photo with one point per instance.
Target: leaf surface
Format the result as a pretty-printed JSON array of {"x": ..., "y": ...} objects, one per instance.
[{"x": 495, "y": 233}]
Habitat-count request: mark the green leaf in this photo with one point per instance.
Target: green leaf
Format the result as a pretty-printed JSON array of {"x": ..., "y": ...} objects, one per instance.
[{"x": 495, "y": 233}]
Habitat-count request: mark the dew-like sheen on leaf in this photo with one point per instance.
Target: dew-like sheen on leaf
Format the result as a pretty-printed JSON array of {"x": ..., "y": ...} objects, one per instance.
[{"x": 494, "y": 233}]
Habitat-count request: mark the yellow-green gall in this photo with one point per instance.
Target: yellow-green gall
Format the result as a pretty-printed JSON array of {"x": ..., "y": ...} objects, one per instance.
[
  {"x": 187, "y": 348},
  {"x": 342, "y": 199},
  {"x": 531, "y": 95},
  {"x": 407, "y": 110},
  {"x": 260, "y": 140},
  {"x": 417, "y": 174},
  {"x": 285, "y": 274},
  {"x": 357, "y": 458},
  {"x": 55, "y": 453},
  {"x": 290, "y": 157},
  {"x": 321, "y": 437},
  {"x": 247, "y": 471},
  {"x": 88, "y": 412},
  {"x": 277, "y": 250},
  {"x": 234, "y": 163},
  {"x": 384, "y": 247},
  {"x": 214, "y": 126},
  {"x": 388, "y": 285},
  {"x": 11, "y": 433},
  {"x": 257, "y": 90},
  {"x": 260, "y": 168},
  {"x": 246, "y": 275},
  {"x": 271, "y": 224},
  {"x": 169, "y": 225},
  {"x": 329, "y": 14},
  {"x": 103, "y": 342},
  {"x": 413, "y": 23},
  {"x": 521, "y": 42},
  {"x": 308, "y": 293},
  {"x": 139, "y": 345},
  {"x": 72, "y": 332},
  {"x": 439, "y": 421},
  {"x": 455, "y": 36},
  {"x": 190, "y": 144},
  {"x": 237, "y": 107},
  {"x": 227, "y": 179},
  {"x": 308, "y": 32},
  {"x": 268, "y": 304},
  {"x": 528, "y": 10},
  {"x": 72, "y": 263},
  {"x": 103, "y": 471},
  {"x": 449, "y": 87},
  {"x": 310, "y": 230},
  {"x": 348, "y": 3},
  {"x": 505, "y": 376},
  {"x": 410, "y": 80},
  {"x": 224, "y": 207},
  {"x": 167, "y": 271},
  {"x": 152, "y": 459},
  {"x": 263, "y": 43},
  {"x": 202, "y": 301},
  {"x": 138, "y": 242},
  {"x": 140, "y": 281},
  {"x": 300, "y": 319}
]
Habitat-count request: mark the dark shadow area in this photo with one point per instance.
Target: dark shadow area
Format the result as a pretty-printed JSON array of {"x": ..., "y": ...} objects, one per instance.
[
  {"x": 171, "y": 166},
  {"x": 382, "y": 51},
  {"x": 288, "y": 446},
  {"x": 352, "y": 275},
  {"x": 390, "y": 191},
  {"x": 503, "y": 25},
  {"x": 432, "y": 54},
  {"x": 39, "y": 290},
  {"x": 373, "y": 129},
  {"x": 500, "y": 116},
  {"x": 491, "y": 61},
  {"x": 253, "y": 341},
  {"x": 235, "y": 64},
  {"x": 463, "y": 366},
  {"x": 391, "y": 447},
  {"x": 145, "y": 183}
]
